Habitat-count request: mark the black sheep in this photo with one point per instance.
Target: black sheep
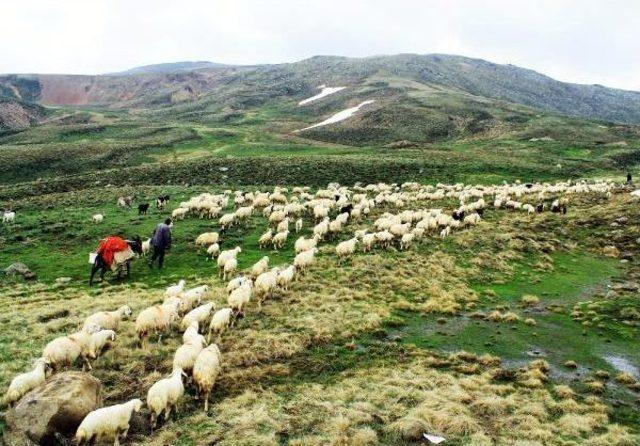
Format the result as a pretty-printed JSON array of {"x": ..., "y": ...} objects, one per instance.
[{"x": 143, "y": 208}]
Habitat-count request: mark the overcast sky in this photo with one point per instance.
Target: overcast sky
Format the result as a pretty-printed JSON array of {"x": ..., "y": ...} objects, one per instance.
[{"x": 585, "y": 41}]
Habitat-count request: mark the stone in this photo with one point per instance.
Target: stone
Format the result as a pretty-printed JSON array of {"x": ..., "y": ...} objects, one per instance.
[
  {"x": 63, "y": 280},
  {"x": 611, "y": 251},
  {"x": 53, "y": 410},
  {"x": 21, "y": 269}
]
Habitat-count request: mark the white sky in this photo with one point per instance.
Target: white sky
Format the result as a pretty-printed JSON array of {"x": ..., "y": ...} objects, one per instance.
[{"x": 585, "y": 41}]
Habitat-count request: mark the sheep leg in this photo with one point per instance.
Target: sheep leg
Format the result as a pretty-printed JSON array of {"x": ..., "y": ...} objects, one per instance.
[
  {"x": 167, "y": 413},
  {"x": 154, "y": 420},
  {"x": 116, "y": 440},
  {"x": 206, "y": 401}
]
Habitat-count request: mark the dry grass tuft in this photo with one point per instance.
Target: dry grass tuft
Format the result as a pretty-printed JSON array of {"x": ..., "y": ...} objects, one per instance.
[
  {"x": 625, "y": 378},
  {"x": 529, "y": 300}
]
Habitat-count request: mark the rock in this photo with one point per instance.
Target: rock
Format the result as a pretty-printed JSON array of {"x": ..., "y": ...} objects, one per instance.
[
  {"x": 20, "y": 268},
  {"x": 626, "y": 286},
  {"x": 611, "y": 251},
  {"x": 63, "y": 280},
  {"x": 622, "y": 220},
  {"x": 53, "y": 409}
]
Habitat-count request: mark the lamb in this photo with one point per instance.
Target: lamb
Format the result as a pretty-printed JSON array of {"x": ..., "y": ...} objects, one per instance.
[
  {"x": 445, "y": 232},
  {"x": 25, "y": 382},
  {"x": 97, "y": 218},
  {"x": 265, "y": 284},
  {"x": 265, "y": 238},
  {"x": 286, "y": 276},
  {"x": 219, "y": 322},
  {"x": 186, "y": 354},
  {"x": 407, "y": 240},
  {"x": 175, "y": 290},
  {"x": 298, "y": 225},
  {"x": 240, "y": 297},
  {"x": 110, "y": 422},
  {"x": 157, "y": 319},
  {"x": 199, "y": 314},
  {"x": 346, "y": 248},
  {"x": 279, "y": 239},
  {"x": 205, "y": 371},
  {"x": 260, "y": 267},
  {"x": 164, "y": 395},
  {"x": 230, "y": 267},
  {"x": 305, "y": 259},
  {"x": 108, "y": 320},
  {"x": 213, "y": 250},
  {"x": 207, "y": 238},
  {"x": 304, "y": 244}
]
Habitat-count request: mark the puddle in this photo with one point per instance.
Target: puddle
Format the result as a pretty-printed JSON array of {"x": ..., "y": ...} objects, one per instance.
[{"x": 622, "y": 364}]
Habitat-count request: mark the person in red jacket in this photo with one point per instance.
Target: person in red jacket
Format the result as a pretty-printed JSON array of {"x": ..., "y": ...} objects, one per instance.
[{"x": 161, "y": 242}]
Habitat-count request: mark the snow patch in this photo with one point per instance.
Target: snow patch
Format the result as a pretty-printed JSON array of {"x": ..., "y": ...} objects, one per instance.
[
  {"x": 326, "y": 91},
  {"x": 340, "y": 116}
]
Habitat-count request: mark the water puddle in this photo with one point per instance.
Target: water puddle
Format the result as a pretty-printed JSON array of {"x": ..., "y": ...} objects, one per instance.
[{"x": 622, "y": 364}]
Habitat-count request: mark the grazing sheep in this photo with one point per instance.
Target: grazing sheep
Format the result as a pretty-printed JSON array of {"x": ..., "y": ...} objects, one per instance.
[
  {"x": 219, "y": 322},
  {"x": 107, "y": 320},
  {"x": 205, "y": 371},
  {"x": 472, "y": 219},
  {"x": 192, "y": 297},
  {"x": 346, "y": 248},
  {"x": 8, "y": 217},
  {"x": 213, "y": 250},
  {"x": 240, "y": 297},
  {"x": 279, "y": 239},
  {"x": 236, "y": 283},
  {"x": 260, "y": 267},
  {"x": 384, "y": 238},
  {"x": 207, "y": 238},
  {"x": 230, "y": 267},
  {"x": 286, "y": 276},
  {"x": 157, "y": 319},
  {"x": 110, "y": 422},
  {"x": 97, "y": 218},
  {"x": 305, "y": 244},
  {"x": 164, "y": 395},
  {"x": 65, "y": 350},
  {"x": 179, "y": 213},
  {"x": 321, "y": 228},
  {"x": 264, "y": 285},
  {"x": 25, "y": 382},
  {"x": 199, "y": 314},
  {"x": 192, "y": 332},
  {"x": 186, "y": 354},
  {"x": 529, "y": 208},
  {"x": 226, "y": 221},
  {"x": 298, "y": 225},
  {"x": 277, "y": 216},
  {"x": 175, "y": 290},
  {"x": 283, "y": 225},
  {"x": 265, "y": 238},
  {"x": 320, "y": 212},
  {"x": 368, "y": 240},
  {"x": 146, "y": 247},
  {"x": 226, "y": 255},
  {"x": 398, "y": 230},
  {"x": 305, "y": 259},
  {"x": 407, "y": 240}
]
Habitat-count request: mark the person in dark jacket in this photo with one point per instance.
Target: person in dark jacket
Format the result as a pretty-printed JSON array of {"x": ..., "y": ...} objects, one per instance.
[{"x": 161, "y": 242}]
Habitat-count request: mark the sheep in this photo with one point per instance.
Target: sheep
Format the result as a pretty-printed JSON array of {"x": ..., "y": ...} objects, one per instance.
[
  {"x": 25, "y": 382},
  {"x": 472, "y": 219},
  {"x": 230, "y": 267},
  {"x": 260, "y": 267},
  {"x": 298, "y": 225},
  {"x": 283, "y": 225},
  {"x": 321, "y": 228},
  {"x": 226, "y": 255},
  {"x": 239, "y": 298},
  {"x": 8, "y": 217},
  {"x": 205, "y": 371},
  {"x": 199, "y": 314},
  {"x": 62, "y": 352},
  {"x": 320, "y": 212},
  {"x": 346, "y": 248},
  {"x": 265, "y": 284},
  {"x": 186, "y": 354},
  {"x": 192, "y": 297},
  {"x": 407, "y": 240},
  {"x": 175, "y": 290},
  {"x": 445, "y": 232},
  {"x": 164, "y": 395},
  {"x": 97, "y": 218},
  {"x": 277, "y": 217},
  {"x": 146, "y": 247},
  {"x": 368, "y": 240},
  {"x": 384, "y": 238},
  {"x": 110, "y": 422},
  {"x": 99, "y": 341},
  {"x": 304, "y": 244},
  {"x": 157, "y": 319},
  {"x": 279, "y": 239},
  {"x": 219, "y": 322},
  {"x": 305, "y": 259},
  {"x": 107, "y": 320},
  {"x": 226, "y": 221},
  {"x": 398, "y": 230},
  {"x": 286, "y": 276},
  {"x": 236, "y": 283},
  {"x": 265, "y": 238},
  {"x": 207, "y": 238},
  {"x": 529, "y": 208},
  {"x": 179, "y": 213},
  {"x": 213, "y": 250},
  {"x": 191, "y": 332},
  {"x": 244, "y": 213}
]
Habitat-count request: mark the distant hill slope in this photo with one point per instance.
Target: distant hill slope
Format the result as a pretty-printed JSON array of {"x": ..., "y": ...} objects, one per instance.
[
  {"x": 172, "y": 67},
  {"x": 203, "y": 91},
  {"x": 18, "y": 115}
]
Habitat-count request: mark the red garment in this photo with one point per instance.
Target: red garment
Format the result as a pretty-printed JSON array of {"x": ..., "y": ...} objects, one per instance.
[{"x": 109, "y": 246}]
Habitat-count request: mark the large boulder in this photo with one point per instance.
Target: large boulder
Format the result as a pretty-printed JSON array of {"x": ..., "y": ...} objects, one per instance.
[
  {"x": 21, "y": 269},
  {"x": 53, "y": 410}
]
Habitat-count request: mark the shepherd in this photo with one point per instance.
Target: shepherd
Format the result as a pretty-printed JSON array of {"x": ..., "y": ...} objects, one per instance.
[
  {"x": 115, "y": 253},
  {"x": 161, "y": 242}
]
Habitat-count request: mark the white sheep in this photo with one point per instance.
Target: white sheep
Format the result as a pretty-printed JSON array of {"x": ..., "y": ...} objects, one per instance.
[
  {"x": 226, "y": 221},
  {"x": 199, "y": 314},
  {"x": 236, "y": 283},
  {"x": 286, "y": 276},
  {"x": 265, "y": 238},
  {"x": 277, "y": 216},
  {"x": 25, "y": 382},
  {"x": 111, "y": 422},
  {"x": 230, "y": 268},
  {"x": 298, "y": 225},
  {"x": 146, "y": 247},
  {"x": 226, "y": 255},
  {"x": 240, "y": 297},
  {"x": 192, "y": 297},
  {"x": 346, "y": 248},
  {"x": 62, "y": 352},
  {"x": 213, "y": 250},
  {"x": 164, "y": 395},
  {"x": 407, "y": 240},
  {"x": 205, "y": 371},
  {"x": 179, "y": 213},
  {"x": 264, "y": 285},
  {"x": 283, "y": 225},
  {"x": 108, "y": 320},
  {"x": 99, "y": 341},
  {"x": 219, "y": 322},
  {"x": 192, "y": 331},
  {"x": 305, "y": 259},
  {"x": 157, "y": 319},
  {"x": 207, "y": 238},
  {"x": 186, "y": 354},
  {"x": 175, "y": 290},
  {"x": 97, "y": 218},
  {"x": 321, "y": 228},
  {"x": 260, "y": 266},
  {"x": 445, "y": 232},
  {"x": 279, "y": 239},
  {"x": 368, "y": 240},
  {"x": 8, "y": 217},
  {"x": 305, "y": 244}
]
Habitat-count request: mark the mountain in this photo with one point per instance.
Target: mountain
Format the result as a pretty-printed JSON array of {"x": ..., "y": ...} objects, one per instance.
[{"x": 172, "y": 67}]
